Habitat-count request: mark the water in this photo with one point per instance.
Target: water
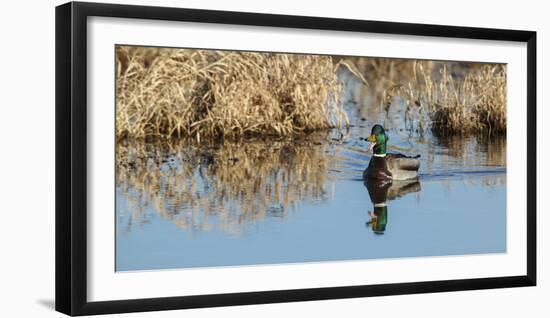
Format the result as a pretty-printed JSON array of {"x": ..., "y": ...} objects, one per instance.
[{"x": 285, "y": 201}]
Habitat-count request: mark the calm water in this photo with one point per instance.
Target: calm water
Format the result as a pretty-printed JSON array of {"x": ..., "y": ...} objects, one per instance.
[{"x": 281, "y": 201}]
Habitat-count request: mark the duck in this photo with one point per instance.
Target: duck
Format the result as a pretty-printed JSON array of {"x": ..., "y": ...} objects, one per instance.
[{"x": 388, "y": 166}]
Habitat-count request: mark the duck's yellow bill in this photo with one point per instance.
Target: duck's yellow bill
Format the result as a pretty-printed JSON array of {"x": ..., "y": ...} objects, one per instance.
[{"x": 372, "y": 138}]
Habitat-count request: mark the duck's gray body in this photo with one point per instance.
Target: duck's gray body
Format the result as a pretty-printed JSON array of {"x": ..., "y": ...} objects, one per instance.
[{"x": 392, "y": 167}]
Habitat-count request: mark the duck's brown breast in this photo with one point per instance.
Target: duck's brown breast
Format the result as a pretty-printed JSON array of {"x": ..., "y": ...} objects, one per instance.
[{"x": 377, "y": 169}]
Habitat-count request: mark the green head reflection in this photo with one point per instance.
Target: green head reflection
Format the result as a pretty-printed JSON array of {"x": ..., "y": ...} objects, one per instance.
[
  {"x": 382, "y": 191},
  {"x": 378, "y": 219}
]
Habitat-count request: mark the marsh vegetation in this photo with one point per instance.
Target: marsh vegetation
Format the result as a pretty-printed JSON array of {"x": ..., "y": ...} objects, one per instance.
[
  {"x": 224, "y": 94},
  {"x": 205, "y": 94}
]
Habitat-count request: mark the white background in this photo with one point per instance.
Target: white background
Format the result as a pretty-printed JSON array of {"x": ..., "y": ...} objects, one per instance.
[{"x": 27, "y": 161}]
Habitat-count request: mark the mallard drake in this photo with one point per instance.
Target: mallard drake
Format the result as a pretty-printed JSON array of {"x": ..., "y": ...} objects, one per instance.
[{"x": 386, "y": 166}]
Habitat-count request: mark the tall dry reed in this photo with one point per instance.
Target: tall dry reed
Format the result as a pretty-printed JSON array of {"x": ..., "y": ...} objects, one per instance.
[
  {"x": 476, "y": 104},
  {"x": 164, "y": 92},
  {"x": 469, "y": 99}
]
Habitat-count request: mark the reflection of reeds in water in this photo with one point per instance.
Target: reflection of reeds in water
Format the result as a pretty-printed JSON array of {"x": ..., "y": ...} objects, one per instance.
[
  {"x": 481, "y": 158},
  {"x": 223, "y": 185},
  {"x": 166, "y": 92},
  {"x": 484, "y": 150},
  {"x": 456, "y": 154},
  {"x": 489, "y": 181}
]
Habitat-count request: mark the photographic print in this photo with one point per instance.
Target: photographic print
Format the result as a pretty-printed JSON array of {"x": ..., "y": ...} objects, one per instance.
[{"x": 231, "y": 158}]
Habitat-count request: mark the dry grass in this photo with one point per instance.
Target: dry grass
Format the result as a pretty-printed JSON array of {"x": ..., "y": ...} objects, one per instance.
[
  {"x": 204, "y": 94},
  {"x": 472, "y": 105},
  {"x": 208, "y": 94},
  {"x": 467, "y": 101},
  {"x": 220, "y": 185}
]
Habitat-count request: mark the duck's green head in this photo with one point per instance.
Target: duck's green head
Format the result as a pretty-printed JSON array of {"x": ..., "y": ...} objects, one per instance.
[{"x": 378, "y": 140}]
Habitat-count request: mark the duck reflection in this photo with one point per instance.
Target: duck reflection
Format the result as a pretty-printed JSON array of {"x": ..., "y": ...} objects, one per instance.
[{"x": 382, "y": 191}]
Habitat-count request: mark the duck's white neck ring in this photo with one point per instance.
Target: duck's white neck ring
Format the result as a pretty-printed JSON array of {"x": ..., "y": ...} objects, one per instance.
[
  {"x": 380, "y": 155},
  {"x": 380, "y": 205}
]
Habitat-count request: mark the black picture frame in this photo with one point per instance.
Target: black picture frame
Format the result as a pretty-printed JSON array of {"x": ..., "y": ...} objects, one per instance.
[{"x": 71, "y": 157}]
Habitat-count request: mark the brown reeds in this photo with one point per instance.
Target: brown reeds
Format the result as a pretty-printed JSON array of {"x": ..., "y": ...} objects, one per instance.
[
  {"x": 468, "y": 99},
  {"x": 165, "y": 92},
  {"x": 476, "y": 104}
]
